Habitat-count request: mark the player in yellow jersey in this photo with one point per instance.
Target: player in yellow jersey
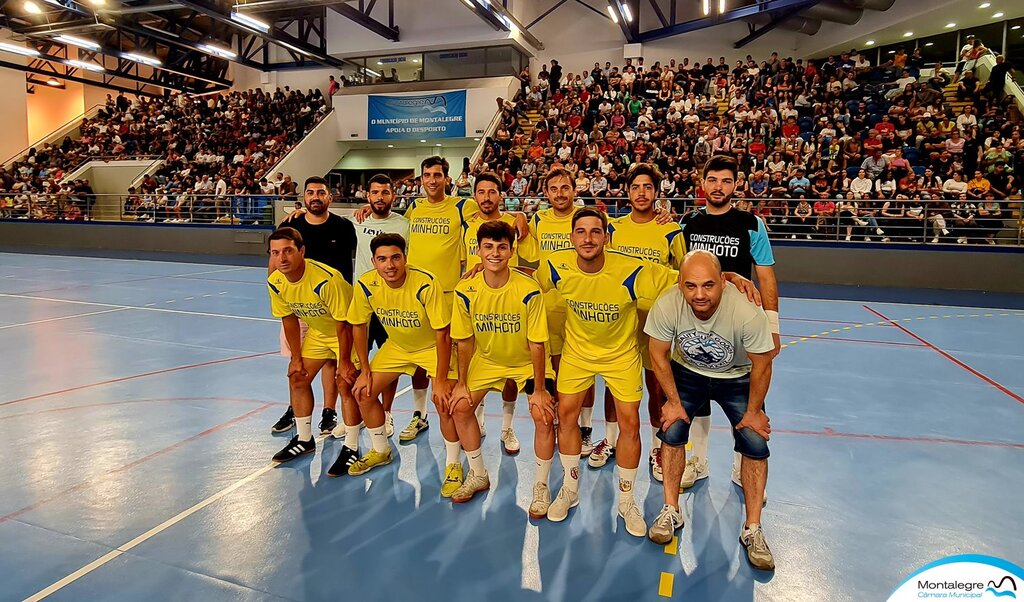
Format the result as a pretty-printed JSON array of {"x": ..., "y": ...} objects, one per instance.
[
  {"x": 408, "y": 302},
  {"x": 501, "y": 329},
  {"x": 487, "y": 193},
  {"x": 307, "y": 290},
  {"x": 637, "y": 234}
]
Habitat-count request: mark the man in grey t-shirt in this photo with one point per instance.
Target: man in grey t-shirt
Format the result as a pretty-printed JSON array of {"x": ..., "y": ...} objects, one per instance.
[{"x": 708, "y": 342}]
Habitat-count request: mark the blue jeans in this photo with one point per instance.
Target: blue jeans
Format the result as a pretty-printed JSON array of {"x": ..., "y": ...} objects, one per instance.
[{"x": 696, "y": 391}]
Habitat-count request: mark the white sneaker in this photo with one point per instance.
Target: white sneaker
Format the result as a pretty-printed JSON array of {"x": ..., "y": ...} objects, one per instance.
[
  {"x": 849, "y": 238},
  {"x": 655, "y": 462},
  {"x": 603, "y": 452},
  {"x": 541, "y": 501},
  {"x": 558, "y": 510},
  {"x": 586, "y": 445},
  {"x": 793, "y": 236},
  {"x": 879, "y": 231},
  {"x": 935, "y": 240},
  {"x": 668, "y": 522},
  {"x": 962, "y": 240},
  {"x": 389, "y": 424},
  {"x": 634, "y": 519},
  {"x": 696, "y": 469},
  {"x": 510, "y": 442},
  {"x": 483, "y": 426},
  {"x": 758, "y": 553}
]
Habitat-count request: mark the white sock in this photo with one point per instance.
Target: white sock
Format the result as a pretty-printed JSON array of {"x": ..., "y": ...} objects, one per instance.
[
  {"x": 587, "y": 417},
  {"x": 508, "y": 410},
  {"x": 655, "y": 442},
  {"x": 419, "y": 401},
  {"x": 476, "y": 462},
  {"x": 611, "y": 432},
  {"x": 626, "y": 478},
  {"x": 571, "y": 466},
  {"x": 699, "y": 429},
  {"x": 453, "y": 451},
  {"x": 352, "y": 437},
  {"x": 543, "y": 470},
  {"x": 304, "y": 428},
  {"x": 378, "y": 439}
]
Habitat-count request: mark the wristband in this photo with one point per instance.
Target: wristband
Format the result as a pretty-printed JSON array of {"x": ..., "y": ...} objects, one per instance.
[{"x": 773, "y": 320}]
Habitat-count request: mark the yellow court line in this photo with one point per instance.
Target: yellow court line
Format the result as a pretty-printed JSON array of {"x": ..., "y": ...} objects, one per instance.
[
  {"x": 673, "y": 546},
  {"x": 665, "y": 585}
]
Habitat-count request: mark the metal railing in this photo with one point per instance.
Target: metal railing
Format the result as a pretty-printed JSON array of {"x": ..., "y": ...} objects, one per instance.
[{"x": 176, "y": 208}]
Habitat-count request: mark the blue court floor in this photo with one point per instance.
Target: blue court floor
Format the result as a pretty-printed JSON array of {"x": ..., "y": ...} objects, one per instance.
[{"x": 136, "y": 408}]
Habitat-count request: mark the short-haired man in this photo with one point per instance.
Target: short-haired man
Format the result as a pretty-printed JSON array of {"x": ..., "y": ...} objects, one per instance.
[
  {"x": 709, "y": 342},
  {"x": 501, "y": 329},
  {"x": 313, "y": 292}
]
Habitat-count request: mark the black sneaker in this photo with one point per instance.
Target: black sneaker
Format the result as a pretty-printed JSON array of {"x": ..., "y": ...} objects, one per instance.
[
  {"x": 286, "y": 422},
  {"x": 346, "y": 458},
  {"x": 328, "y": 421},
  {"x": 294, "y": 449}
]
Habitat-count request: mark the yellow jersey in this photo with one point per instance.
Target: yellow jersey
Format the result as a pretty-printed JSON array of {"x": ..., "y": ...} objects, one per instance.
[
  {"x": 657, "y": 243},
  {"x": 601, "y": 322},
  {"x": 320, "y": 298},
  {"x": 548, "y": 233},
  {"x": 503, "y": 320},
  {"x": 410, "y": 313},
  {"x": 436, "y": 237}
]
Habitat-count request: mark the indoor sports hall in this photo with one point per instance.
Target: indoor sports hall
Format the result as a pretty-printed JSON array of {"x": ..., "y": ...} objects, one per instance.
[{"x": 155, "y": 147}]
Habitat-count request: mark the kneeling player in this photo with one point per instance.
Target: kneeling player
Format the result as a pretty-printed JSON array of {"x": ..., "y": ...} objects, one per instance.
[{"x": 501, "y": 328}]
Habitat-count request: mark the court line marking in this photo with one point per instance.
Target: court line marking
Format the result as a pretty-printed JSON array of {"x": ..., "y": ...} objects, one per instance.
[
  {"x": 140, "y": 375},
  {"x": 125, "y": 467},
  {"x": 119, "y": 550},
  {"x": 949, "y": 357},
  {"x": 804, "y": 337},
  {"x": 33, "y": 323},
  {"x": 1016, "y": 311},
  {"x": 156, "y": 309},
  {"x": 79, "y": 257},
  {"x": 665, "y": 585},
  {"x": 673, "y": 546},
  {"x": 110, "y": 404}
]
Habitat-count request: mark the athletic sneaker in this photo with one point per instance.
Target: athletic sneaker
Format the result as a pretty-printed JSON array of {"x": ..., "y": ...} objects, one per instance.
[
  {"x": 758, "y": 553},
  {"x": 417, "y": 425},
  {"x": 371, "y": 460},
  {"x": 668, "y": 522},
  {"x": 588, "y": 446},
  {"x": 633, "y": 518},
  {"x": 696, "y": 469},
  {"x": 452, "y": 480},
  {"x": 541, "y": 501},
  {"x": 285, "y": 423},
  {"x": 483, "y": 426},
  {"x": 328, "y": 420},
  {"x": 510, "y": 442},
  {"x": 473, "y": 485},
  {"x": 603, "y": 452},
  {"x": 558, "y": 510},
  {"x": 346, "y": 459},
  {"x": 655, "y": 461},
  {"x": 294, "y": 449},
  {"x": 389, "y": 424}
]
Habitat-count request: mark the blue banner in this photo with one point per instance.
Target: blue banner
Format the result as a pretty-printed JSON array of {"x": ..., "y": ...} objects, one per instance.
[{"x": 426, "y": 116}]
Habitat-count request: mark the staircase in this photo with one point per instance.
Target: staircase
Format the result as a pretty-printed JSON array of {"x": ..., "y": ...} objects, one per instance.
[
  {"x": 532, "y": 117},
  {"x": 955, "y": 105}
]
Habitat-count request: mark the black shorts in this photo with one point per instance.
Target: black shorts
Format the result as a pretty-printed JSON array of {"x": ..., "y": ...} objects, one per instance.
[
  {"x": 376, "y": 333},
  {"x": 549, "y": 384}
]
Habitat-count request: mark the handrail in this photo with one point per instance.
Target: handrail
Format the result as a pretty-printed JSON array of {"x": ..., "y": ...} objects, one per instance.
[
  {"x": 488, "y": 132},
  {"x": 53, "y": 135},
  {"x": 1011, "y": 88},
  {"x": 294, "y": 148},
  {"x": 106, "y": 159}
]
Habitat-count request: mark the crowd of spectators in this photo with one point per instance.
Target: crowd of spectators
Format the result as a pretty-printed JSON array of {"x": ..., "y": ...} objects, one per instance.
[
  {"x": 832, "y": 148},
  {"x": 216, "y": 151}
]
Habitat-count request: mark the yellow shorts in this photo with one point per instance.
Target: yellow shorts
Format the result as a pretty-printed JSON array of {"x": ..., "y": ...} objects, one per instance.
[
  {"x": 318, "y": 346},
  {"x": 392, "y": 358},
  {"x": 556, "y": 312},
  {"x": 485, "y": 375},
  {"x": 624, "y": 378}
]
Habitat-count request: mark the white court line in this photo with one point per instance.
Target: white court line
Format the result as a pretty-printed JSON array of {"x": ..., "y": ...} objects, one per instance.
[
  {"x": 77, "y": 257},
  {"x": 970, "y": 307},
  {"x": 91, "y": 313},
  {"x": 119, "y": 550},
  {"x": 156, "y": 309}
]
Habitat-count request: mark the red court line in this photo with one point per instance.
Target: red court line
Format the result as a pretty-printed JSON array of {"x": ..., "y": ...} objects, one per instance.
[
  {"x": 842, "y": 340},
  {"x": 822, "y": 321},
  {"x": 108, "y": 404},
  {"x": 827, "y": 432},
  {"x": 140, "y": 375},
  {"x": 949, "y": 357},
  {"x": 130, "y": 465}
]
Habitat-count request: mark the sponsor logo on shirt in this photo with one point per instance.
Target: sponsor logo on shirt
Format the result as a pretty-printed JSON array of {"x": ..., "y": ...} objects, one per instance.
[{"x": 707, "y": 350}]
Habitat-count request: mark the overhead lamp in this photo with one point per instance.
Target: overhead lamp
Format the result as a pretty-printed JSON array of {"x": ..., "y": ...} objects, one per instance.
[
  {"x": 23, "y": 51},
  {"x": 985, "y": 5},
  {"x": 997, "y": 16},
  {"x": 32, "y": 8},
  {"x": 707, "y": 7},
  {"x": 139, "y": 58},
  {"x": 721, "y": 6},
  {"x": 929, "y": 43},
  {"x": 53, "y": 82},
  {"x": 218, "y": 51},
  {"x": 950, "y": 25},
  {"x": 371, "y": 72},
  {"x": 611, "y": 13},
  {"x": 250, "y": 22},
  {"x": 84, "y": 65},
  {"x": 81, "y": 43},
  {"x": 438, "y": 144},
  {"x": 422, "y": 140},
  {"x": 391, "y": 146},
  {"x": 1015, "y": 27},
  {"x": 291, "y": 47},
  {"x": 908, "y": 34},
  {"x": 627, "y": 13},
  {"x": 97, "y": 2},
  {"x": 870, "y": 43}
]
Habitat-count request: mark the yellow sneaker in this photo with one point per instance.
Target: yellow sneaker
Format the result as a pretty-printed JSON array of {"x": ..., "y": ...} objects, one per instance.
[
  {"x": 371, "y": 460},
  {"x": 452, "y": 480}
]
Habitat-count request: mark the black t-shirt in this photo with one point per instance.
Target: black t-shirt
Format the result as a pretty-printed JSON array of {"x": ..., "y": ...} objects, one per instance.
[
  {"x": 332, "y": 242},
  {"x": 737, "y": 238}
]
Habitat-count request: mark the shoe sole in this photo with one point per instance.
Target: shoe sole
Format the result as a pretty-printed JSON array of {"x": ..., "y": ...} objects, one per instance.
[
  {"x": 511, "y": 452},
  {"x": 284, "y": 430},
  {"x": 601, "y": 465},
  {"x": 660, "y": 543},
  {"x": 402, "y": 438},
  {"x": 642, "y": 533},
  {"x": 771, "y": 568},
  {"x": 464, "y": 500},
  {"x": 695, "y": 481},
  {"x": 305, "y": 453},
  {"x": 356, "y": 474},
  {"x": 558, "y": 520},
  {"x": 537, "y": 516}
]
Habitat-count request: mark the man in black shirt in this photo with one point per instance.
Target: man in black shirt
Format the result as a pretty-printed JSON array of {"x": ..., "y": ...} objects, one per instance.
[
  {"x": 329, "y": 239},
  {"x": 739, "y": 240}
]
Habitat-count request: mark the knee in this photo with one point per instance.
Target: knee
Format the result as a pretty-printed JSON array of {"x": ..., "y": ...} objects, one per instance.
[
  {"x": 751, "y": 444},
  {"x": 463, "y": 410},
  {"x": 629, "y": 422},
  {"x": 677, "y": 434},
  {"x": 298, "y": 381}
]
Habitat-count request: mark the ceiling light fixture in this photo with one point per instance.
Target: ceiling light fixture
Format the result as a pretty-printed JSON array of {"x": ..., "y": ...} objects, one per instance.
[
  {"x": 908, "y": 34},
  {"x": 627, "y": 13},
  {"x": 23, "y": 51},
  {"x": 950, "y": 25},
  {"x": 84, "y": 65},
  {"x": 707, "y": 7},
  {"x": 870, "y": 42},
  {"x": 611, "y": 13},
  {"x": 929, "y": 43},
  {"x": 1015, "y": 27},
  {"x": 422, "y": 140},
  {"x": 53, "y": 82},
  {"x": 139, "y": 58},
  {"x": 985, "y": 5},
  {"x": 81, "y": 43},
  {"x": 250, "y": 22},
  {"x": 391, "y": 146},
  {"x": 997, "y": 16},
  {"x": 32, "y": 8},
  {"x": 218, "y": 51}
]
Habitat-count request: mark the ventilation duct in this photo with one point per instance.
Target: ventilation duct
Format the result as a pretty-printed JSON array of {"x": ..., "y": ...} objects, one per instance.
[
  {"x": 796, "y": 24},
  {"x": 808, "y": 22}
]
